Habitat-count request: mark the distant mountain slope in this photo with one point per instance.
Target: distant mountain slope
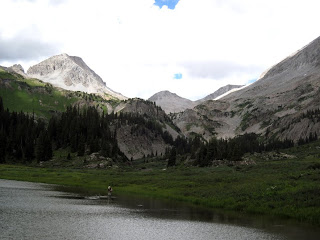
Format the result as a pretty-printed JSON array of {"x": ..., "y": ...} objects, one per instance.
[
  {"x": 171, "y": 102},
  {"x": 282, "y": 104},
  {"x": 71, "y": 73},
  {"x": 218, "y": 93}
]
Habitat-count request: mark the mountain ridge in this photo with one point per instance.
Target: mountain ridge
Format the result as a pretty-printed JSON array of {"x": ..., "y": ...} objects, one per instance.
[
  {"x": 275, "y": 106},
  {"x": 173, "y": 103}
]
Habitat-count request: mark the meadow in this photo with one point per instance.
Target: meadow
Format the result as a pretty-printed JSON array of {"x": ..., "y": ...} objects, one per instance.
[{"x": 285, "y": 185}]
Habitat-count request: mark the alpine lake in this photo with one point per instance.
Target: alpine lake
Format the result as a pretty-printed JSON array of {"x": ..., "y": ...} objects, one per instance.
[{"x": 44, "y": 211}]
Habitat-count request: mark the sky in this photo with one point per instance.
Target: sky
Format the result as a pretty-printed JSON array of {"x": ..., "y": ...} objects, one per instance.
[{"x": 140, "y": 47}]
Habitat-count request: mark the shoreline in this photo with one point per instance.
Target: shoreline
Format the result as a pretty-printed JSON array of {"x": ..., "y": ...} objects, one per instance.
[{"x": 244, "y": 191}]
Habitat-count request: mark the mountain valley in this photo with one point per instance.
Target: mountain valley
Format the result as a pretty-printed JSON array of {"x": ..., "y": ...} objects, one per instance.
[{"x": 283, "y": 104}]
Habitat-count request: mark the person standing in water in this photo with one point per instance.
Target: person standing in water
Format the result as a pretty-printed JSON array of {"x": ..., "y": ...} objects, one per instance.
[{"x": 109, "y": 191}]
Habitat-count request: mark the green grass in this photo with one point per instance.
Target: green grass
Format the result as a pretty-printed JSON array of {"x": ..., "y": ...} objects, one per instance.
[
  {"x": 288, "y": 188},
  {"x": 33, "y": 95},
  {"x": 41, "y": 103}
]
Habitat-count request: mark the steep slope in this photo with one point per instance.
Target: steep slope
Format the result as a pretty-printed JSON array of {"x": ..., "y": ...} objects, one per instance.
[
  {"x": 275, "y": 106},
  {"x": 218, "y": 93},
  {"x": 71, "y": 73},
  {"x": 171, "y": 102},
  {"x": 151, "y": 136}
]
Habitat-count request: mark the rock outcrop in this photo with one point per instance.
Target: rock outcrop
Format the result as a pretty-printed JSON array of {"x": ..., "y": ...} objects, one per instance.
[
  {"x": 71, "y": 73},
  {"x": 17, "y": 68}
]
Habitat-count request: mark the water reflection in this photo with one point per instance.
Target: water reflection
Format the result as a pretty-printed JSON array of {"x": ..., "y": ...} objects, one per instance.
[{"x": 39, "y": 211}]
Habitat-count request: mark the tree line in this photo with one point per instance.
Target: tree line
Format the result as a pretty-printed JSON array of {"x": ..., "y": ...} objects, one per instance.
[
  {"x": 24, "y": 138},
  {"x": 232, "y": 149},
  {"x": 84, "y": 131}
]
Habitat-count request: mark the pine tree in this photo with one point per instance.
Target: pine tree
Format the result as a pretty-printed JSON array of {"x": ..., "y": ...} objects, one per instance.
[
  {"x": 1, "y": 105},
  {"x": 2, "y": 146},
  {"x": 105, "y": 148},
  {"x": 81, "y": 146},
  {"x": 172, "y": 158},
  {"x": 40, "y": 148}
]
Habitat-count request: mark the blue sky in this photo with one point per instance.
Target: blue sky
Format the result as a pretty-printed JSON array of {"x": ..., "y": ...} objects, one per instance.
[
  {"x": 171, "y": 4},
  {"x": 252, "y": 81},
  {"x": 177, "y": 76}
]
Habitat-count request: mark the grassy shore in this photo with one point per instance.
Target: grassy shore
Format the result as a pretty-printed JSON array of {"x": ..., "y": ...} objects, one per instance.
[{"x": 277, "y": 184}]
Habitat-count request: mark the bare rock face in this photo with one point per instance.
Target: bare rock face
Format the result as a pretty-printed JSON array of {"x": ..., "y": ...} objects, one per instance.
[
  {"x": 17, "y": 68},
  {"x": 135, "y": 146},
  {"x": 283, "y": 103},
  {"x": 71, "y": 73},
  {"x": 171, "y": 102}
]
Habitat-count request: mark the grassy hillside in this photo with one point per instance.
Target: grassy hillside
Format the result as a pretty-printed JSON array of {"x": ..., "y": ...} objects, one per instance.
[
  {"x": 33, "y": 95},
  {"x": 285, "y": 184}
]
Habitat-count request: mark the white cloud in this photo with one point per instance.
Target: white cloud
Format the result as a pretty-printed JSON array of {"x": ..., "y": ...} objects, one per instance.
[{"x": 137, "y": 47}]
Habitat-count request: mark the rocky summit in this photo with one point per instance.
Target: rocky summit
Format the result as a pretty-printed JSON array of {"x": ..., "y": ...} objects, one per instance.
[
  {"x": 171, "y": 102},
  {"x": 71, "y": 73}
]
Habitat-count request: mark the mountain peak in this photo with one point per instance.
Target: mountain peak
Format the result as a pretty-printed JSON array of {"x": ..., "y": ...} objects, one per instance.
[
  {"x": 171, "y": 102},
  {"x": 71, "y": 73},
  {"x": 163, "y": 94}
]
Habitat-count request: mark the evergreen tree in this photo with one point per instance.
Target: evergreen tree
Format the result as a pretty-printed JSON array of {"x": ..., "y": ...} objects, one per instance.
[
  {"x": 1, "y": 105},
  {"x": 105, "y": 148},
  {"x": 2, "y": 145},
  {"x": 40, "y": 148},
  {"x": 81, "y": 146},
  {"x": 43, "y": 149},
  {"x": 172, "y": 158}
]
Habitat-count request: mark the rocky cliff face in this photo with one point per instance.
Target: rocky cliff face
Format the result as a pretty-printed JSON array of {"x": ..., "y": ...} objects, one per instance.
[
  {"x": 275, "y": 106},
  {"x": 71, "y": 73}
]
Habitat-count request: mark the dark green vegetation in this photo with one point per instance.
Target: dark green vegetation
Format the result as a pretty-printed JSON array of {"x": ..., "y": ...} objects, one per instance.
[
  {"x": 23, "y": 139},
  {"x": 282, "y": 184}
]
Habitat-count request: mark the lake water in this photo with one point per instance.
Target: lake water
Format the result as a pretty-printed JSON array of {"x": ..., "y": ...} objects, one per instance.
[{"x": 40, "y": 211}]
